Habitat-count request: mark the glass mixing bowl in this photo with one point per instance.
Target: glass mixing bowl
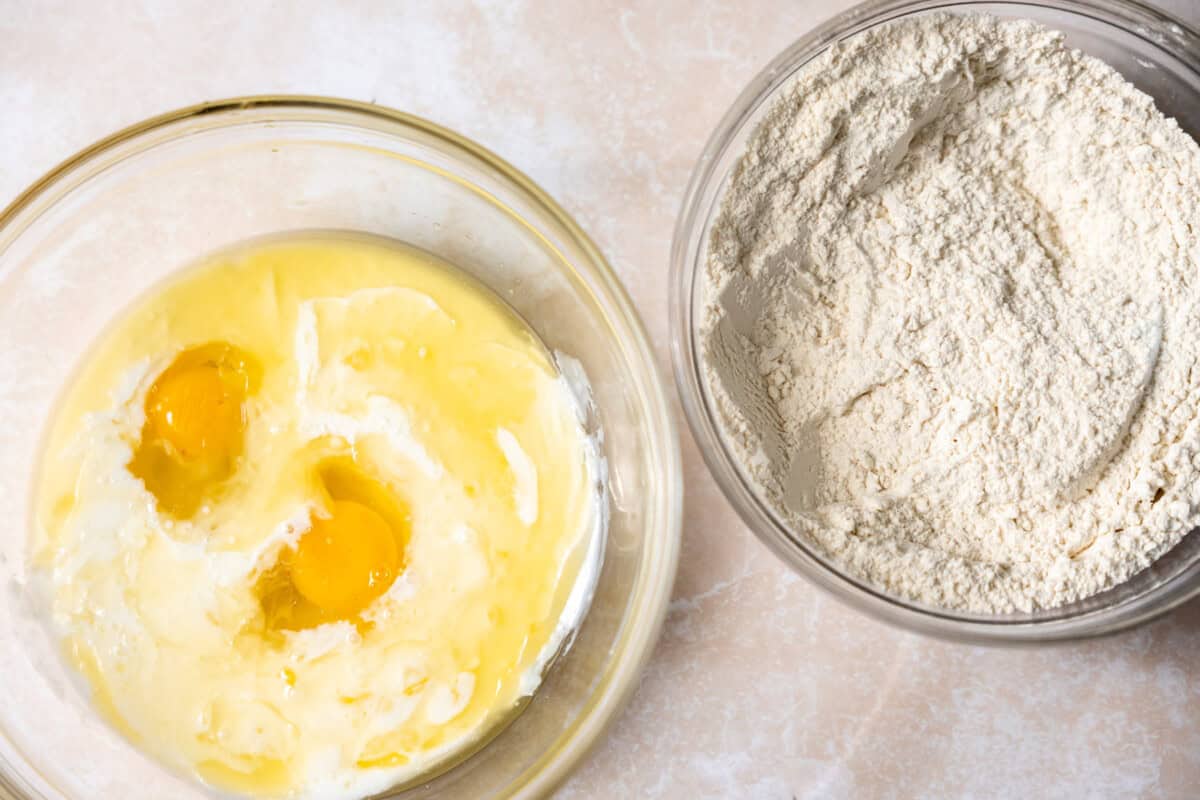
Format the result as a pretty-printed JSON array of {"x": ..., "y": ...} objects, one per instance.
[
  {"x": 90, "y": 237},
  {"x": 1158, "y": 54}
]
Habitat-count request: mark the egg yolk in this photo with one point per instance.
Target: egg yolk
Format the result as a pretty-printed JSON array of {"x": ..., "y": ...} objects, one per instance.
[
  {"x": 195, "y": 412},
  {"x": 195, "y": 425},
  {"x": 346, "y": 560}
]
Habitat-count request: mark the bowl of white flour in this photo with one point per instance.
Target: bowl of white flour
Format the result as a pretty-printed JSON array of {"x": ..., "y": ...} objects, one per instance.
[{"x": 936, "y": 300}]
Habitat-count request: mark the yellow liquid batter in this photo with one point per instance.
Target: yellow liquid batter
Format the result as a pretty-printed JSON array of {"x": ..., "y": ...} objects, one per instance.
[{"x": 311, "y": 515}]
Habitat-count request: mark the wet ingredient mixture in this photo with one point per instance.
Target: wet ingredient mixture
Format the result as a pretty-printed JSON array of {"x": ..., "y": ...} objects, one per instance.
[{"x": 315, "y": 516}]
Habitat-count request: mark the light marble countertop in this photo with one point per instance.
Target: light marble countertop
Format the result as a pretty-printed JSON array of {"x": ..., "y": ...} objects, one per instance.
[{"x": 762, "y": 686}]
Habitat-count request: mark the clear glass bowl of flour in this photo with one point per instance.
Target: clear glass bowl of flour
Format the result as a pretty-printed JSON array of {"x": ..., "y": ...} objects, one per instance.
[
  {"x": 1153, "y": 51},
  {"x": 89, "y": 238}
]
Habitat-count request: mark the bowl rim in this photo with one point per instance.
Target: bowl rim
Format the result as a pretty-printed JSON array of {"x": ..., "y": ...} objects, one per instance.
[
  {"x": 687, "y": 248},
  {"x": 647, "y": 606}
]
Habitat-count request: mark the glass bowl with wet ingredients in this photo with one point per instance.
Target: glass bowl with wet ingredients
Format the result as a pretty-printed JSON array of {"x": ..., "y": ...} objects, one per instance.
[
  {"x": 93, "y": 235},
  {"x": 1159, "y": 55}
]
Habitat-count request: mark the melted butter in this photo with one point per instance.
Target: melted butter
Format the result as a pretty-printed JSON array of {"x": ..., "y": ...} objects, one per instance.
[{"x": 381, "y": 377}]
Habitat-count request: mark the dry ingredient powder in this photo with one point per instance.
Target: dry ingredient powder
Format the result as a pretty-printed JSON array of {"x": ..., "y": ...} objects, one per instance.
[{"x": 952, "y": 326}]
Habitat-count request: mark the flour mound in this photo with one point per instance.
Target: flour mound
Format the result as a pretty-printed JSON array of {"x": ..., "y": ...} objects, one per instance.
[{"x": 951, "y": 324}]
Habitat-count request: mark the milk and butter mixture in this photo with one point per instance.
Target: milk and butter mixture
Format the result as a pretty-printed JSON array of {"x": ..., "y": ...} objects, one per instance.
[{"x": 316, "y": 516}]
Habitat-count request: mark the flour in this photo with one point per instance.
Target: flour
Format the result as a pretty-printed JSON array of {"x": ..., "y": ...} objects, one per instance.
[{"x": 951, "y": 324}]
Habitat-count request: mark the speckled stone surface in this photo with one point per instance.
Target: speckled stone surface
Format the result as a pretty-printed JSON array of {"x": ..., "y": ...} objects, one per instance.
[{"x": 761, "y": 687}]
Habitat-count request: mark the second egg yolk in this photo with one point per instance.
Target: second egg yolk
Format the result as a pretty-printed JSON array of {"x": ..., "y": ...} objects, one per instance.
[{"x": 346, "y": 560}]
